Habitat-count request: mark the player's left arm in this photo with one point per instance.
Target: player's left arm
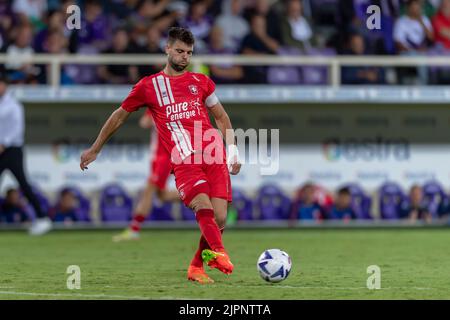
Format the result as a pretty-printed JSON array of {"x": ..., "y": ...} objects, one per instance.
[{"x": 223, "y": 123}]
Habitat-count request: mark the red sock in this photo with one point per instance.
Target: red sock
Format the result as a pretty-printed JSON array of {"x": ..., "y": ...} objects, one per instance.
[
  {"x": 197, "y": 261},
  {"x": 210, "y": 229},
  {"x": 135, "y": 224}
]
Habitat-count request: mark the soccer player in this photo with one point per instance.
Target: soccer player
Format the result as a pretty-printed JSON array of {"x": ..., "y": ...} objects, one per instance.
[
  {"x": 180, "y": 103},
  {"x": 156, "y": 183}
]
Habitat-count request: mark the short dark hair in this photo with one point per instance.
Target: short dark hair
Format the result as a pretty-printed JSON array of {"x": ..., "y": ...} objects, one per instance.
[
  {"x": 181, "y": 34},
  {"x": 411, "y": 2},
  {"x": 10, "y": 191},
  {"x": 344, "y": 191}
]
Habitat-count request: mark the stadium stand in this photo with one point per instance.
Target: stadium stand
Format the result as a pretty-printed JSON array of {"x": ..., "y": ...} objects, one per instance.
[
  {"x": 140, "y": 27},
  {"x": 307, "y": 43}
]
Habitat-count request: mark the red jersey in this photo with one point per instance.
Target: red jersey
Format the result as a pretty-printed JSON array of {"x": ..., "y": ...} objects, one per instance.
[
  {"x": 441, "y": 22},
  {"x": 178, "y": 105}
]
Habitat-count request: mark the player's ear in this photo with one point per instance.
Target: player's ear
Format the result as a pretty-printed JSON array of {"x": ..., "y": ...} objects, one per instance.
[{"x": 167, "y": 49}]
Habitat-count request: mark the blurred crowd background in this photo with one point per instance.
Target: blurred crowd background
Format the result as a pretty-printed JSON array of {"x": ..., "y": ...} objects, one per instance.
[
  {"x": 248, "y": 27},
  {"x": 311, "y": 202},
  {"x": 327, "y": 28}
]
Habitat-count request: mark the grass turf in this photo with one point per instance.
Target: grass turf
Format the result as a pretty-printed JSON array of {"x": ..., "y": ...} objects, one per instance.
[{"x": 327, "y": 264}]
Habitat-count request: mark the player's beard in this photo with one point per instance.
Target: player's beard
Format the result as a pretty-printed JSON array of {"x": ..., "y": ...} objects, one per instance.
[{"x": 177, "y": 67}]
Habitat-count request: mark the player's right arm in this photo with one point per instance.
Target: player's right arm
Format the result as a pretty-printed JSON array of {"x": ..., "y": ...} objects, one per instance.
[
  {"x": 136, "y": 99},
  {"x": 114, "y": 122}
]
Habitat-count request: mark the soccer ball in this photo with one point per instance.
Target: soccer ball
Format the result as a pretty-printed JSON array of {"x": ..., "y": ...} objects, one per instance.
[{"x": 274, "y": 265}]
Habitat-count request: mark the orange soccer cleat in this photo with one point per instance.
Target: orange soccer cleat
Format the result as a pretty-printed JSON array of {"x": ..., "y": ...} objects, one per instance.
[
  {"x": 198, "y": 274},
  {"x": 219, "y": 260}
]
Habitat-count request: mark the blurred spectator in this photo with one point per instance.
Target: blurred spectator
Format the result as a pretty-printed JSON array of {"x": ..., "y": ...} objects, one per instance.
[
  {"x": 95, "y": 28},
  {"x": 342, "y": 207},
  {"x": 390, "y": 8},
  {"x": 7, "y": 20},
  {"x": 412, "y": 33},
  {"x": 30, "y": 11},
  {"x": 116, "y": 73},
  {"x": 70, "y": 34},
  {"x": 18, "y": 68},
  {"x": 65, "y": 210},
  {"x": 256, "y": 43},
  {"x": 176, "y": 15},
  {"x": 55, "y": 20},
  {"x": 55, "y": 43},
  {"x": 414, "y": 208},
  {"x": 306, "y": 207},
  {"x": 270, "y": 9},
  {"x": 360, "y": 74},
  {"x": 296, "y": 31},
  {"x": 13, "y": 209},
  {"x": 200, "y": 24},
  {"x": 429, "y": 7},
  {"x": 231, "y": 16},
  {"x": 122, "y": 9},
  {"x": 222, "y": 73},
  {"x": 151, "y": 46},
  {"x": 147, "y": 11},
  {"x": 441, "y": 24}
]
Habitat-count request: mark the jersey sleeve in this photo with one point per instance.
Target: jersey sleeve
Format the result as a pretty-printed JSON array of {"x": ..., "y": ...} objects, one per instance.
[
  {"x": 211, "y": 98},
  {"x": 136, "y": 98}
]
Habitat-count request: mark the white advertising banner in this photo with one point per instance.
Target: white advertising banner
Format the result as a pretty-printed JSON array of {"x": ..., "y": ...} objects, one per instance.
[{"x": 330, "y": 165}]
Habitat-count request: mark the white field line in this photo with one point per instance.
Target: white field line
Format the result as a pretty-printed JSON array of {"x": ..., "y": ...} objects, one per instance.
[
  {"x": 330, "y": 288},
  {"x": 108, "y": 296},
  {"x": 275, "y": 286},
  {"x": 81, "y": 295}
]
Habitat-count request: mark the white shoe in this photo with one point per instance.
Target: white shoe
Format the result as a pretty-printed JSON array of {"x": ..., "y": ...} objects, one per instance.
[{"x": 40, "y": 226}]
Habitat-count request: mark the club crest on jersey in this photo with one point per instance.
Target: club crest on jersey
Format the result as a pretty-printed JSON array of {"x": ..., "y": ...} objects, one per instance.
[{"x": 193, "y": 89}]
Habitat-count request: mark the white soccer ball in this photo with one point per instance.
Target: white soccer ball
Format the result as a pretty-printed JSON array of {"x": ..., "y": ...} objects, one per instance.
[{"x": 274, "y": 265}]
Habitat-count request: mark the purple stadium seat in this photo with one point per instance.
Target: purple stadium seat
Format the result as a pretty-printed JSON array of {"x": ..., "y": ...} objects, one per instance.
[
  {"x": 187, "y": 214},
  {"x": 272, "y": 203},
  {"x": 282, "y": 74},
  {"x": 84, "y": 205},
  {"x": 361, "y": 202},
  {"x": 436, "y": 72},
  {"x": 243, "y": 205},
  {"x": 42, "y": 199},
  {"x": 115, "y": 204},
  {"x": 241, "y": 202},
  {"x": 390, "y": 198},
  {"x": 433, "y": 195},
  {"x": 161, "y": 211},
  {"x": 316, "y": 75}
]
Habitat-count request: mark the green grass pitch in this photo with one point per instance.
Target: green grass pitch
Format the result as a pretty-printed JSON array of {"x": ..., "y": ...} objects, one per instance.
[{"x": 327, "y": 264}]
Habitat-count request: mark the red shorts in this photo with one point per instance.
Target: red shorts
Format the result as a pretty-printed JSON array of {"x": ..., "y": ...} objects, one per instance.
[
  {"x": 160, "y": 168},
  {"x": 193, "y": 179}
]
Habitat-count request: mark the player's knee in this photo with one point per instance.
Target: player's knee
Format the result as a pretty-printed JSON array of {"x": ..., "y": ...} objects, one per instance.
[{"x": 200, "y": 202}]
